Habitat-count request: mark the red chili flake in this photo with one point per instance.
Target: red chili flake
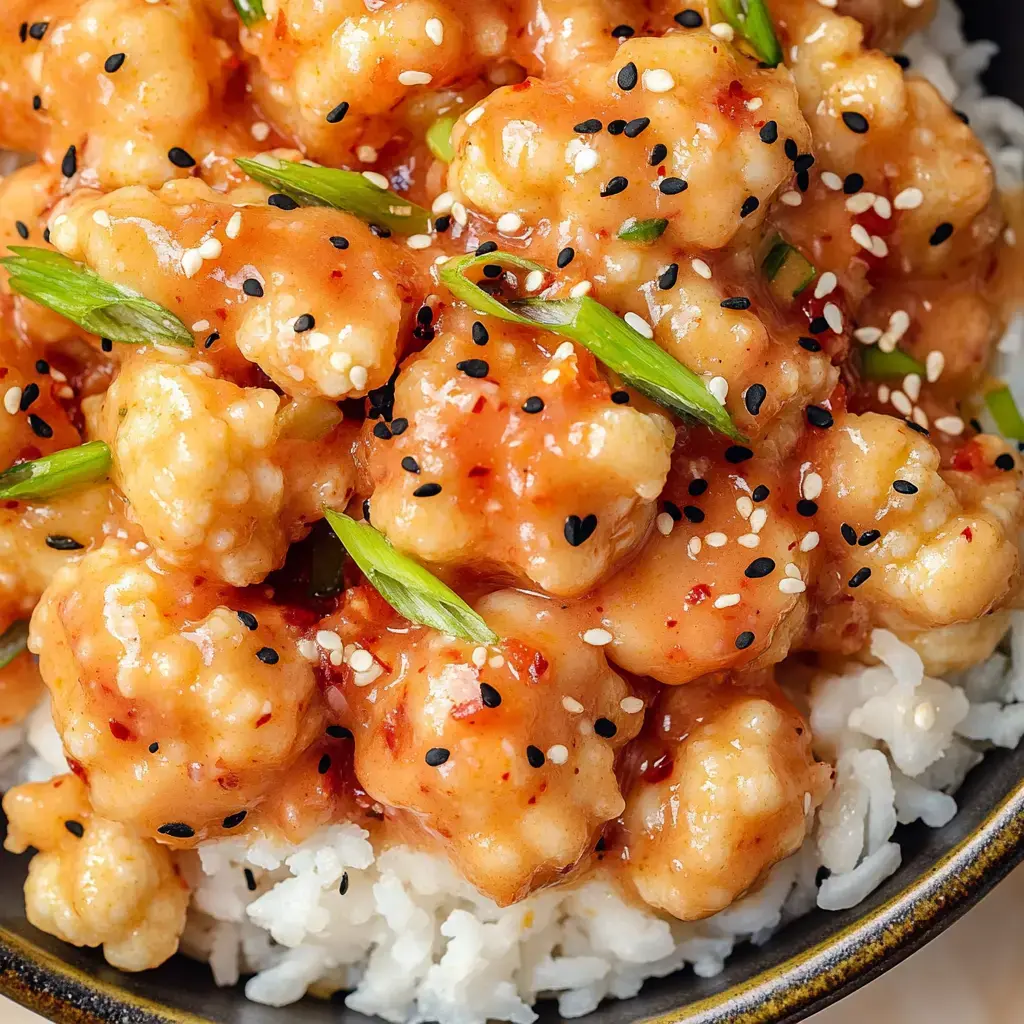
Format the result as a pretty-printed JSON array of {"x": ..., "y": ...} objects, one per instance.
[
  {"x": 394, "y": 722},
  {"x": 262, "y": 720},
  {"x": 732, "y": 102},
  {"x": 970, "y": 458},
  {"x": 228, "y": 781},
  {"x": 119, "y": 731},
  {"x": 659, "y": 769},
  {"x": 480, "y": 404},
  {"x": 698, "y": 592},
  {"x": 525, "y": 660},
  {"x": 505, "y": 776},
  {"x": 78, "y": 769},
  {"x": 522, "y": 86},
  {"x": 477, "y": 471},
  {"x": 467, "y": 709},
  {"x": 968, "y": 533},
  {"x": 671, "y": 623}
]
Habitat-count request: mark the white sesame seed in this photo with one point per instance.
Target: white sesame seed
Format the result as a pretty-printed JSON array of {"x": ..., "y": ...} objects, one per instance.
[
  {"x": 496, "y": 662},
  {"x": 579, "y": 290},
  {"x": 358, "y": 376},
  {"x": 12, "y": 400},
  {"x": 534, "y": 280},
  {"x": 879, "y": 246},
  {"x": 586, "y": 160},
  {"x": 329, "y": 640},
  {"x": 792, "y": 570},
  {"x": 833, "y": 317},
  {"x": 260, "y": 131},
  {"x": 924, "y": 713},
  {"x": 460, "y": 214},
  {"x": 809, "y": 541},
  {"x": 665, "y": 523},
  {"x": 563, "y": 352},
  {"x": 791, "y": 586},
  {"x": 719, "y": 387},
  {"x": 860, "y": 235},
  {"x": 418, "y": 241},
  {"x": 727, "y": 600},
  {"x": 361, "y": 661},
  {"x": 693, "y": 546},
  {"x": 920, "y": 417},
  {"x": 210, "y": 249},
  {"x": 826, "y": 285},
  {"x": 912, "y": 386},
  {"x": 639, "y": 324},
  {"x": 435, "y": 30},
  {"x": 597, "y": 637},
  {"x": 658, "y": 80},
  {"x": 102, "y": 218},
  {"x": 201, "y": 325},
  {"x": 474, "y": 115},
  {"x": 550, "y": 376},
  {"x": 744, "y": 506},
  {"x": 573, "y": 706},
  {"x": 376, "y": 178},
  {"x": 479, "y": 656},
  {"x": 952, "y": 425},
  {"x": 558, "y": 754},
  {"x": 1010, "y": 236},
  {"x": 883, "y": 207},
  {"x": 757, "y": 519},
  {"x": 934, "y": 364},
  {"x": 831, "y": 181},
  {"x": 867, "y": 335},
  {"x": 234, "y": 224},
  {"x": 812, "y": 486},
  {"x": 754, "y": 103},
  {"x": 509, "y": 223},
  {"x": 414, "y": 78},
  {"x": 701, "y": 269},
  {"x": 883, "y": 393},
  {"x": 723, "y": 30},
  {"x": 716, "y": 540},
  {"x": 191, "y": 262},
  {"x": 442, "y": 204},
  {"x": 367, "y": 154},
  {"x": 908, "y": 199},
  {"x": 901, "y": 403},
  {"x": 899, "y": 323},
  {"x": 791, "y": 198},
  {"x": 749, "y": 540},
  {"x": 336, "y": 658},
  {"x": 631, "y": 705},
  {"x": 308, "y": 650},
  {"x": 860, "y": 203}
]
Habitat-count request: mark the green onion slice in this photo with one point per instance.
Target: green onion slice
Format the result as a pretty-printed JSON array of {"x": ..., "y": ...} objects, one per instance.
[
  {"x": 342, "y": 190},
  {"x": 878, "y": 365},
  {"x": 641, "y": 363},
  {"x": 643, "y": 232},
  {"x": 405, "y": 585},
  {"x": 439, "y": 139},
  {"x": 13, "y": 641},
  {"x": 95, "y": 304},
  {"x": 788, "y": 269},
  {"x": 54, "y": 474},
  {"x": 250, "y": 11},
  {"x": 751, "y": 20},
  {"x": 1004, "y": 411}
]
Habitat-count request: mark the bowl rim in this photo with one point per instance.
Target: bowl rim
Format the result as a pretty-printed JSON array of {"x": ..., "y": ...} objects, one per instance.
[{"x": 787, "y": 992}]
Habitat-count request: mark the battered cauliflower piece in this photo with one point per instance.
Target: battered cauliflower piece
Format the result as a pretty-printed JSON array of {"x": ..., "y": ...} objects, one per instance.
[
  {"x": 519, "y": 151},
  {"x": 204, "y": 473},
  {"x": 926, "y": 547},
  {"x": 525, "y": 447},
  {"x": 181, "y": 712},
  {"x": 112, "y": 127},
  {"x": 726, "y": 783},
  {"x": 323, "y": 308},
  {"x": 505, "y": 756},
  {"x": 93, "y": 881}
]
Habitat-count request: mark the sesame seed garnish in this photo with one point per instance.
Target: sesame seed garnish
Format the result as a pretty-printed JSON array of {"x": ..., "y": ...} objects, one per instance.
[
  {"x": 616, "y": 127},
  {"x": 658, "y": 153},
  {"x": 605, "y": 728},
  {"x": 909, "y": 199},
  {"x": 181, "y": 157},
  {"x": 672, "y": 186},
  {"x": 748, "y": 540},
  {"x": 857, "y": 123},
  {"x": 324, "y": 764},
  {"x": 22, "y": 228},
  {"x": 788, "y": 585},
  {"x": 509, "y": 223},
  {"x": 436, "y": 756},
  {"x": 597, "y": 637},
  {"x": 759, "y": 568},
  {"x": 701, "y": 269},
  {"x": 664, "y": 523},
  {"x": 282, "y": 202},
  {"x": 580, "y": 289},
  {"x": 533, "y": 404},
  {"x": 791, "y": 198},
  {"x": 689, "y": 18},
  {"x": 573, "y": 706},
  {"x": 410, "y": 465},
  {"x": 627, "y": 77},
  {"x": 414, "y": 78},
  {"x": 489, "y": 696},
  {"x": 833, "y": 317},
  {"x": 534, "y": 281},
  {"x": 716, "y": 540},
  {"x": 744, "y": 640},
  {"x": 154, "y": 747},
  {"x": 810, "y": 344},
  {"x": 735, "y": 302},
  {"x": 723, "y": 30},
  {"x": 744, "y": 506},
  {"x": 860, "y": 235},
  {"x": 252, "y": 288},
  {"x": 60, "y": 542},
  {"x": 719, "y": 388},
  {"x": 826, "y": 285},
  {"x": 69, "y": 163},
  {"x": 904, "y": 487},
  {"x": 806, "y": 508},
  {"x": 399, "y": 425},
  {"x": 39, "y": 426},
  {"x": 868, "y": 537},
  {"x": 338, "y": 732},
  {"x": 859, "y": 577},
  {"x": 177, "y": 830},
  {"x": 831, "y": 181},
  {"x": 658, "y": 80},
  {"x": 809, "y": 541},
  {"x": 727, "y": 601},
  {"x": 639, "y": 324},
  {"x": 769, "y": 132},
  {"x": 475, "y": 368},
  {"x": 737, "y": 453},
  {"x": 304, "y": 323},
  {"x": 535, "y": 756},
  {"x": 250, "y": 880},
  {"x": 790, "y": 149},
  {"x": 565, "y": 257},
  {"x": 636, "y": 127},
  {"x": 951, "y": 425},
  {"x": 667, "y": 278},
  {"x": 75, "y": 828},
  {"x": 941, "y": 234},
  {"x": 615, "y": 186},
  {"x": 804, "y": 162},
  {"x": 234, "y": 820},
  {"x": 427, "y": 491},
  {"x": 693, "y": 514},
  {"x": 343, "y": 884},
  {"x": 750, "y": 204},
  {"x": 812, "y": 485},
  {"x": 28, "y": 396},
  {"x": 697, "y": 487},
  {"x": 38, "y": 29},
  {"x": 1004, "y": 462},
  {"x": 819, "y": 417},
  {"x": 578, "y": 530}
]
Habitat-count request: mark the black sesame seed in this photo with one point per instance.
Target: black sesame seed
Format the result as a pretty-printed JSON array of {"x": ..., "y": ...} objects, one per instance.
[
  {"x": 23, "y": 31},
  {"x": 790, "y": 149},
  {"x": 636, "y": 126},
  {"x": 737, "y": 453},
  {"x": 46, "y": 235},
  {"x": 736, "y": 302},
  {"x": 675, "y": 511},
  {"x": 304, "y": 323},
  {"x": 917, "y": 427},
  {"x": 247, "y": 619},
  {"x": 252, "y": 287},
  {"x": 177, "y": 830},
  {"x": 750, "y": 204},
  {"x": 620, "y": 397},
  {"x": 819, "y": 417},
  {"x": 904, "y": 487},
  {"x": 565, "y": 257},
  {"x": 769, "y": 132},
  {"x": 859, "y": 577},
  {"x": 693, "y": 514},
  {"x": 577, "y": 530},
  {"x": 489, "y": 695},
  {"x": 533, "y": 404},
  {"x": 658, "y": 153},
  {"x": 819, "y": 325},
  {"x": 339, "y": 241},
  {"x": 399, "y": 425},
  {"x": 689, "y": 18},
  {"x": 22, "y": 228},
  {"x": 486, "y": 247},
  {"x": 627, "y": 77},
  {"x": 810, "y": 344},
  {"x": 337, "y": 114},
  {"x": 250, "y": 880},
  {"x": 1004, "y": 462},
  {"x": 113, "y": 63},
  {"x": 28, "y": 396},
  {"x": 181, "y": 157},
  {"x": 38, "y": 29},
  {"x": 380, "y": 231},
  {"x": 42, "y": 366},
  {"x": 338, "y": 732},
  {"x": 343, "y": 884},
  {"x": 59, "y": 542},
  {"x": 480, "y": 335},
  {"x": 75, "y": 828},
  {"x": 744, "y": 640},
  {"x": 324, "y": 764},
  {"x": 424, "y": 316},
  {"x": 615, "y": 186},
  {"x": 282, "y": 202},
  {"x": 902, "y": 59},
  {"x": 616, "y": 127},
  {"x": 213, "y": 337},
  {"x": 803, "y": 181},
  {"x": 442, "y": 224},
  {"x": 268, "y": 655},
  {"x": 807, "y": 508},
  {"x": 475, "y": 368},
  {"x": 69, "y": 164},
  {"x": 667, "y": 278},
  {"x": 672, "y": 186},
  {"x": 605, "y": 728},
  {"x": 154, "y": 747},
  {"x": 868, "y": 537},
  {"x": 37, "y": 102},
  {"x": 382, "y": 430},
  {"x": 804, "y": 162},
  {"x": 410, "y": 465},
  {"x": 753, "y": 398},
  {"x": 535, "y": 756},
  {"x": 760, "y": 493},
  {"x": 759, "y": 568},
  {"x": 427, "y": 491},
  {"x": 589, "y": 127},
  {"x": 492, "y": 270},
  {"x": 697, "y": 487},
  {"x": 941, "y": 234},
  {"x": 853, "y": 183},
  {"x": 108, "y": 346},
  {"x": 849, "y": 534},
  {"x": 976, "y": 425},
  {"x": 234, "y": 820},
  {"x": 623, "y": 31},
  {"x": 39, "y": 426},
  {"x": 436, "y": 756},
  {"x": 856, "y": 122}
]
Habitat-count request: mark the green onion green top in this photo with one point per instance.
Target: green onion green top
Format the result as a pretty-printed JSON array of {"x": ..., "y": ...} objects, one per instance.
[
  {"x": 641, "y": 363},
  {"x": 13, "y": 641},
  {"x": 96, "y": 305},
  {"x": 1005, "y": 412},
  {"x": 643, "y": 232},
  {"x": 750, "y": 20},
  {"x": 878, "y": 365},
  {"x": 250, "y": 11},
  {"x": 439, "y": 139},
  {"x": 405, "y": 585},
  {"x": 342, "y": 190},
  {"x": 789, "y": 270},
  {"x": 56, "y": 473}
]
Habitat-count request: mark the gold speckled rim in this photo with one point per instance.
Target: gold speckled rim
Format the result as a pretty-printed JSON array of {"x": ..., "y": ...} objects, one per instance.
[{"x": 787, "y": 992}]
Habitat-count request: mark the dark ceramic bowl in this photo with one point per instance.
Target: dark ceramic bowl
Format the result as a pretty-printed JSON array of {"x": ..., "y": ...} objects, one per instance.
[{"x": 809, "y": 964}]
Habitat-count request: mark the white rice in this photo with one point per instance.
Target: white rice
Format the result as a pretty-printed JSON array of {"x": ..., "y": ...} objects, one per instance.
[{"x": 410, "y": 941}]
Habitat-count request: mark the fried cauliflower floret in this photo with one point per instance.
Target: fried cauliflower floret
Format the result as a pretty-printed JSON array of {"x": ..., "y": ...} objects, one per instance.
[
  {"x": 888, "y": 22},
  {"x": 200, "y": 463},
  {"x": 518, "y": 151},
  {"x": 725, "y": 789},
  {"x": 504, "y": 756},
  {"x": 93, "y": 881},
  {"x": 193, "y": 250},
  {"x": 527, "y": 447},
  {"x": 720, "y": 584},
  {"x": 946, "y": 548},
  {"x": 181, "y": 714},
  {"x": 123, "y": 123},
  {"x": 20, "y": 685}
]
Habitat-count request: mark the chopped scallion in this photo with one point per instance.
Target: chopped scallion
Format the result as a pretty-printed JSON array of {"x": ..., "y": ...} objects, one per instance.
[
  {"x": 54, "y": 474},
  {"x": 439, "y": 139},
  {"x": 13, "y": 641},
  {"x": 788, "y": 270},
  {"x": 250, "y": 11},
  {"x": 752, "y": 22},
  {"x": 1004, "y": 411},
  {"x": 643, "y": 232},
  {"x": 878, "y": 365}
]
